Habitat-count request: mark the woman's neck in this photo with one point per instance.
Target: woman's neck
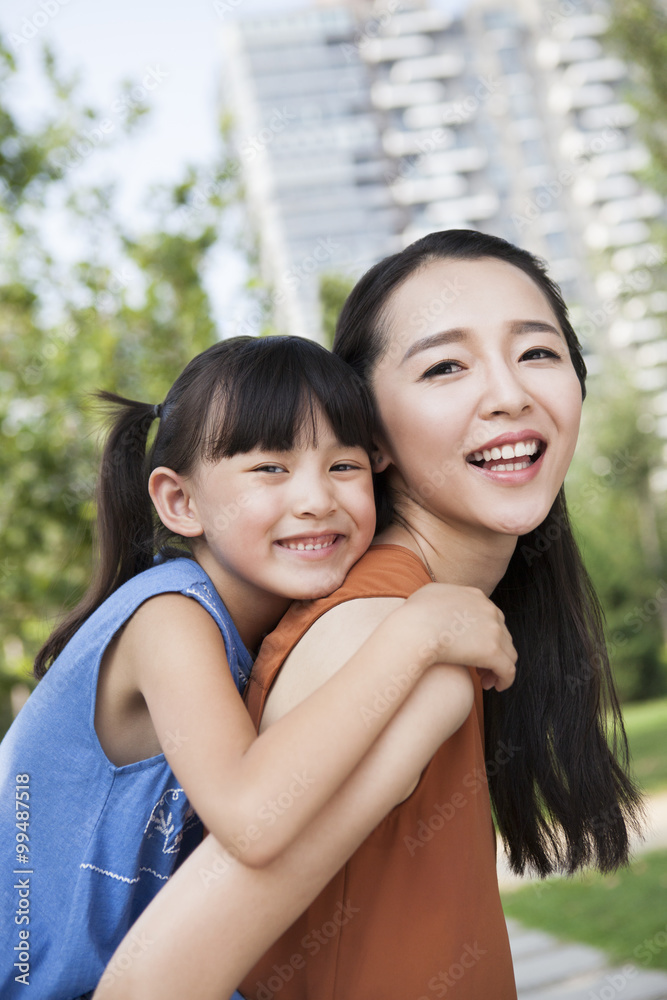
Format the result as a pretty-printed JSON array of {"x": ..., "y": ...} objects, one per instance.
[{"x": 450, "y": 554}]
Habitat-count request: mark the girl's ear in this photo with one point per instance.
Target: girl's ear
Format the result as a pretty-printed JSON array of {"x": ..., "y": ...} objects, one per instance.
[{"x": 173, "y": 502}]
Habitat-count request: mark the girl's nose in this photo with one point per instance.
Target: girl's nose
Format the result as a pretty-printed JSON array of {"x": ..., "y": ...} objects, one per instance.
[{"x": 314, "y": 497}]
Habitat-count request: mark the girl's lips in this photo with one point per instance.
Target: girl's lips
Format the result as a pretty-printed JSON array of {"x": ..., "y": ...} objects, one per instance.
[{"x": 311, "y": 546}]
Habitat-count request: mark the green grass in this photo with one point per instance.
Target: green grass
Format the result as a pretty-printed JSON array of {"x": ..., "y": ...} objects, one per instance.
[
  {"x": 624, "y": 914},
  {"x": 646, "y": 726}
]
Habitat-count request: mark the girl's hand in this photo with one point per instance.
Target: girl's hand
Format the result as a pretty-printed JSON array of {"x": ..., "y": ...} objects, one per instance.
[{"x": 461, "y": 625}]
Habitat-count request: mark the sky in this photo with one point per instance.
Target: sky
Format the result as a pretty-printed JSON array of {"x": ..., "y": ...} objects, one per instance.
[
  {"x": 172, "y": 45},
  {"x": 108, "y": 41}
]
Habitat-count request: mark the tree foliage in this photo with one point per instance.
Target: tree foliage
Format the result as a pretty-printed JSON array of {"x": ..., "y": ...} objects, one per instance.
[
  {"x": 638, "y": 31},
  {"x": 116, "y": 309},
  {"x": 622, "y": 529},
  {"x": 334, "y": 289},
  {"x": 625, "y": 528}
]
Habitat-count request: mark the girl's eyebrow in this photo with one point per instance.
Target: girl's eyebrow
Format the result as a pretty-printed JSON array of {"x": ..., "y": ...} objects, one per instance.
[{"x": 458, "y": 334}]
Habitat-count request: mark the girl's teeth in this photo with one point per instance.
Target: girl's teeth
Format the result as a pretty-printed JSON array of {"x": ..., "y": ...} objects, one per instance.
[{"x": 308, "y": 546}]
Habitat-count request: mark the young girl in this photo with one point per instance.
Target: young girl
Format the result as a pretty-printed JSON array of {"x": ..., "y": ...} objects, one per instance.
[
  {"x": 478, "y": 380},
  {"x": 137, "y": 732}
]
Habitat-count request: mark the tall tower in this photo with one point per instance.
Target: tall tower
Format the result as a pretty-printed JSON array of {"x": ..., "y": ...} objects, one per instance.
[
  {"x": 310, "y": 145},
  {"x": 363, "y": 127}
]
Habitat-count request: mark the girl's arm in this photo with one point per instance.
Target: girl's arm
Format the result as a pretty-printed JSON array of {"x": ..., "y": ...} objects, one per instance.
[
  {"x": 235, "y": 780},
  {"x": 216, "y": 917}
]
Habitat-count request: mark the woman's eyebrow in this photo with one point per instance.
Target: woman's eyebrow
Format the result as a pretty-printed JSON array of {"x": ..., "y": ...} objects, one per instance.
[
  {"x": 435, "y": 340},
  {"x": 534, "y": 326},
  {"x": 458, "y": 334}
]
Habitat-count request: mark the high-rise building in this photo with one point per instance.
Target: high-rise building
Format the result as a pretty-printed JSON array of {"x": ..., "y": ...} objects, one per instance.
[{"x": 361, "y": 127}]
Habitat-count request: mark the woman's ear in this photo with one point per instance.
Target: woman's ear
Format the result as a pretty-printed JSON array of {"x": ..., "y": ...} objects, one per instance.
[
  {"x": 380, "y": 458},
  {"x": 173, "y": 502}
]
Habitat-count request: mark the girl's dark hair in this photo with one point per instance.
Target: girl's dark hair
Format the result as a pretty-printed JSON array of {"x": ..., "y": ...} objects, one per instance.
[
  {"x": 240, "y": 394},
  {"x": 556, "y": 749}
]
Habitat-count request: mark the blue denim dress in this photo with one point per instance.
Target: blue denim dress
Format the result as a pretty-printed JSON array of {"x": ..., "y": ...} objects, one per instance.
[{"x": 86, "y": 845}]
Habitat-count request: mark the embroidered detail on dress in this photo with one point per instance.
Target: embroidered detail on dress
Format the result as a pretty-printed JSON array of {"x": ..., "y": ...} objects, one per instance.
[
  {"x": 122, "y": 878},
  {"x": 203, "y": 592},
  {"x": 161, "y": 823}
]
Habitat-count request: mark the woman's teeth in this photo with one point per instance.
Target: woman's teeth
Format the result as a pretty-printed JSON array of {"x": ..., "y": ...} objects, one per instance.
[
  {"x": 509, "y": 467},
  {"x": 521, "y": 450}
]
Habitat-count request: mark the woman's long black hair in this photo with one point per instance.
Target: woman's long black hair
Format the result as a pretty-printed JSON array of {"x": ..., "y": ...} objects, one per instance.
[
  {"x": 556, "y": 750},
  {"x": 240, "y": 394}
]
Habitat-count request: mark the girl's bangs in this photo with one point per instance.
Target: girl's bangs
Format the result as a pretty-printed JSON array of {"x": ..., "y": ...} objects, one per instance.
[{"x": 274, "y": 402}]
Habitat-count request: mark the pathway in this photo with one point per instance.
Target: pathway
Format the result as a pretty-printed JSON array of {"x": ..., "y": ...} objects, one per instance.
[{"x": 548, "y": 969}]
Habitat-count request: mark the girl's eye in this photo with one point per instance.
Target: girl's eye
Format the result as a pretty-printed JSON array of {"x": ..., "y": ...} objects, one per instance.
[
  {"x": 443, "y": 368},
  {"x": 269, "y": 468},
  {"x": 343, "y": 467},
  {"x": 538, "y": 353}
]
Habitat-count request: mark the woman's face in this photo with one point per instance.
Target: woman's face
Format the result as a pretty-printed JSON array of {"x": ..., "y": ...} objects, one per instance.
[{"x": 478, "y": 399}]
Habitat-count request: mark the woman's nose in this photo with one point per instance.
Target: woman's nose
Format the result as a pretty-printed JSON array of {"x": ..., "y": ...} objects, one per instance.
[{"x": 504, "y": 393}]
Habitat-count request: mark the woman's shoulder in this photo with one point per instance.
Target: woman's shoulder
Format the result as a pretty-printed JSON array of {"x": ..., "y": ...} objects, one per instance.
[
  {"x": 322, "y": 634},
  {"x": 385, "y": 570}
]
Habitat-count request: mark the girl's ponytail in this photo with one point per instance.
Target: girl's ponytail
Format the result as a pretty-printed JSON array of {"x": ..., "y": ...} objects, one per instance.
[{"x": 125, "y": 522}]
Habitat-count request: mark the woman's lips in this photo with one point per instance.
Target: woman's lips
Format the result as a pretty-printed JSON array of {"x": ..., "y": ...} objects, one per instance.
[
  {"x": 523, "y": 468},
  {"x": 507, "y": 456}
]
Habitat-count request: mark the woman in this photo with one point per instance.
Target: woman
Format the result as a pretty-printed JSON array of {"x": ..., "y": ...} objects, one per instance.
[{"x": 478, "y": 381}]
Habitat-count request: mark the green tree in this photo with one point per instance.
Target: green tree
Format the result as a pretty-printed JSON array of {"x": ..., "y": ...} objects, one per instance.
[
  {"x": 334, "y": 289},
  {"x": 622, "y": 528},
  {"x": 638, "y": 31},
  {"x": 621, "y": 520},
  {"x": 125, "y": 314}
]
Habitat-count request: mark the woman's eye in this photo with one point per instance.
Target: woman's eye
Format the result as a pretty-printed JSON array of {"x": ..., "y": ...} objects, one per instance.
[
  {"x": 537, "y": 353},
  {"x": 443, "y": 368}
]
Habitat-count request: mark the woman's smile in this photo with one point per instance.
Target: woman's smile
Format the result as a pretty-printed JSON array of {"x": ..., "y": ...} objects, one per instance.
[
  {"x": 510, "y": 454},
  {"x": 480, "y": 407}
]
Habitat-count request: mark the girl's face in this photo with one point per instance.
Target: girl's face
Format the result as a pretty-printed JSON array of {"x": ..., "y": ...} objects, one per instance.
[
  {"x": 478, "y": 398},
  {"x": 284, "y": 524}
]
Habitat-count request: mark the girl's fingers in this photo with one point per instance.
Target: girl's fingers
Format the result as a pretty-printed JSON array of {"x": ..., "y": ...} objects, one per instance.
[{"x": 500, "y": 676}]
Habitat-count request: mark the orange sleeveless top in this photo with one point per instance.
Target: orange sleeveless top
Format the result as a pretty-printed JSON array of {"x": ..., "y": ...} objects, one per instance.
[{"x": 415, "y": 913}]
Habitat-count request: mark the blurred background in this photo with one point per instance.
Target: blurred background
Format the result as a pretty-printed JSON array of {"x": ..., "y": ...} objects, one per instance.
[{"x": 172, "y": 176}]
